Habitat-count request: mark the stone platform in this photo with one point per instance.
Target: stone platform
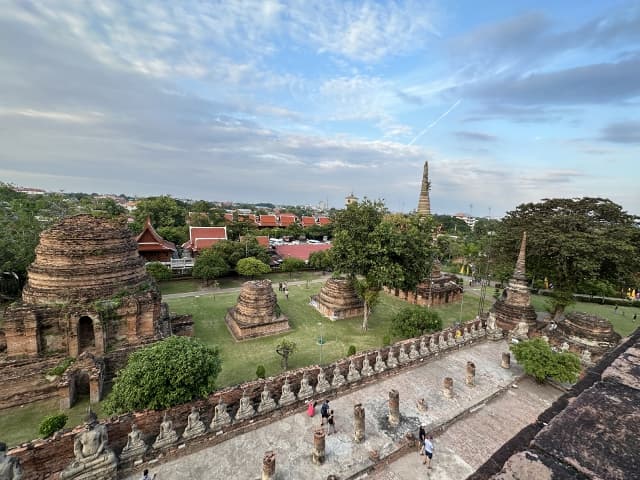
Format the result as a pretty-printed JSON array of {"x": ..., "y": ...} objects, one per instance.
[{"x": 291, "y": 438}]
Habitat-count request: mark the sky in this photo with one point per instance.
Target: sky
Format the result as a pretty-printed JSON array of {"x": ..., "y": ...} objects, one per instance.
[{"x": 301, "y": 102}]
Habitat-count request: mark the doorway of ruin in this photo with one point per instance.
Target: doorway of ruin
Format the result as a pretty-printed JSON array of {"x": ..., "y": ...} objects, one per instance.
[
  {"x": 83, "y": 389},
  {"x": 86, "y": 335}
]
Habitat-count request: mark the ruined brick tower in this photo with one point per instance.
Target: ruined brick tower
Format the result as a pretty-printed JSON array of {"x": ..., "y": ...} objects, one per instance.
[{"x": 424, "y": 205}]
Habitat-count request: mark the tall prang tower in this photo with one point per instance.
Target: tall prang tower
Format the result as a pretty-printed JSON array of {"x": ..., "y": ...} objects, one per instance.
[{"x": 424, "y": 205}]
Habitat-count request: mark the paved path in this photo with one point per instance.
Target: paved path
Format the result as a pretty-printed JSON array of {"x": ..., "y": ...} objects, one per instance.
[
  {"x": 291, "y": 437},
  {"x": 220, "y": 291},
  {"x": 468, "y": 443}
]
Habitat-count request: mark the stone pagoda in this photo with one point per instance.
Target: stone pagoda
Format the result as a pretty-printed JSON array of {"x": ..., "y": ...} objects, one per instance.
[
  {"x": 87, "y": 291},
  {"x": 439, "y": 289},
  {"x": 338, "y": 299},
  {"x": 584, "y": 331},
  {"x": 424, "y": 204},
  {"x": 514, "y": 306},
  {"x": 257, "y": 312}
]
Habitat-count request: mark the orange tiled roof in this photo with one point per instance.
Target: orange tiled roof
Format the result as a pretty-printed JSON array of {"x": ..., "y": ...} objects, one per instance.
[{"x": 308, "y": 221}]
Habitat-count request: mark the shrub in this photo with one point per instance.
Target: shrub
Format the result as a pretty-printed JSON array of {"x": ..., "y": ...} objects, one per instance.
[
  {"x": 167, "y": 373},
  {"x": 51, "y": 424},
  {"x": 351, "y": 350},
  {"x": 209, "y": 265},
  {"x": 158, "y": 271},
  {"x": 61, "y": 367},
  {"x": 251, "y": 266},
  {"x": 539, "y": 361},
  {"x": 261, "y": 371},
  {"x": 386, "y": 340},
  {"x": 415, "y": 321}
]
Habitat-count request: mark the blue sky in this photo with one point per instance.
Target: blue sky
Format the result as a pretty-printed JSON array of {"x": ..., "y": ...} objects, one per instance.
[{"x": 303, "y": 101}]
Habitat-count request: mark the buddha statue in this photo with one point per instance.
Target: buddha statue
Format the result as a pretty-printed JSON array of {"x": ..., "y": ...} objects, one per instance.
[
  {"x": 195, "y": 427},
  {"x": 93, "y": 457},
  {"x": 10, "y": 468},
  {"x": 135, "y": 447},
  {"x": 167, "y": 436}
]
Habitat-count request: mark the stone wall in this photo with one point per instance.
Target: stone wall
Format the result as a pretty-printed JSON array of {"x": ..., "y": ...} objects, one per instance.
[
  {"x": 40, "y": 458},
  {"x": 23, "y": 381}
]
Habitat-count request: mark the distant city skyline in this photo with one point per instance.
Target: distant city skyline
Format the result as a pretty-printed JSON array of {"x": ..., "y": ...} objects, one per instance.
[{"x": 302, "y": 102}]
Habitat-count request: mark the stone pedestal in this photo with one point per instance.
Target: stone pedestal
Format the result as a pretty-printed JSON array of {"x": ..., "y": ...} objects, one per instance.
[
  {"x": 506, "y": 360},
  {"x": 358, "y": 423},
  {"x": 471, "y": 374},
  {"x": 318, "y": 447},
  {"x": 394, "y": 408},
  {"x": 447, "y": 387},
  {"x": 221, "y": 417},
  {"x": 306, "y": 390},
  {"x": 267, "y": 403},
  {"x": 269, "y": 466},
  {"x": 353, "y": 375}
]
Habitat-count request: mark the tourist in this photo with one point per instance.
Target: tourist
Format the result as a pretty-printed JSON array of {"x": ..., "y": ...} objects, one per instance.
[
  {"x": 332, "y": 426},
  {"x": 324, "y": 411},
  {"x": 422, "y": 435},
  {"x": 635, "y": 316},
  {"x": 146, "y": 476},
  {"x": 428, "y": 451},
  {"x": 286, "y": 293},
  {"x": 279, "y": 286},
  {"x": 311, "y": 408}
]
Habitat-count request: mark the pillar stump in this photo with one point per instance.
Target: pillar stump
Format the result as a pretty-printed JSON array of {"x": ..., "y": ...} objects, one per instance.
[
  {"x": 394, "y": 408},
  {"x": 358, "y": 421},
  {"x": 471, "y": 374},
  {"x": 318, "y": 446},
  {"x": 506, "y": 360},
  {"x": 269, "y": 466},
  {"x": 447, "y": 387}
]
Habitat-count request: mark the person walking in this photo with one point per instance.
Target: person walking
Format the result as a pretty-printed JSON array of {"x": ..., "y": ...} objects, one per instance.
[
  {"x": 332, "y": 426},
  {"x": 311, "y": 408},
  {"x": 422, "y": 435},
  {"x": 428, "y": 451},
  {"x": 286, "y": 293},
  {"x": 324, "y": 412},
  {"x": 146, "y": 476}
]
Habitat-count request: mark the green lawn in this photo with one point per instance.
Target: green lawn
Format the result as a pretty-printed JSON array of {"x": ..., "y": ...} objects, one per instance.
[{"x": 20, "y": 424}]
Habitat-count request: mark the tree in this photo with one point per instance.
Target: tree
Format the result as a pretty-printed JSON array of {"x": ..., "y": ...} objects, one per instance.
[
  {"x": 209, "y": 265},
  {"x": 320, "y": 260},
  {"x": 572, "y": 242},
  {"x": 415, "y": 321},
  {"x": 164, "y": 212},
  {"x": 232, "y": 252},
  {"x": 173, "y": 371},
  {"x": 539, "y": 361},
  {"x": 250, "y": 267},
  {"x": 375, "y": 249},
  {"x": 292, "y": 264},
  {"x": 158, "y": 271},
  {"x": 285, "y": 348}
]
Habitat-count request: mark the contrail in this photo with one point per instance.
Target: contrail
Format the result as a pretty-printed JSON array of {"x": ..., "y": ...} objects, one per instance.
[{"x": 435, "y": 122}]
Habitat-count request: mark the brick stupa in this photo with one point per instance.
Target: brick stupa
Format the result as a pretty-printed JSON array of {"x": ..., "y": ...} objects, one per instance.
[
  {"x": 514, "y": 306},
  {"x": 338, "y": 299},
  {"x": 424, "y": 204},
  {"x": 586, "y": 331},
  {"x": 257, "y": 313}
]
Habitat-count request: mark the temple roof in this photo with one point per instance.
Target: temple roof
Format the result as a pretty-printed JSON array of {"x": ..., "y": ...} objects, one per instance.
[
  {"x": 204, "y": 237},
  {"x": 150, "y": 241}
]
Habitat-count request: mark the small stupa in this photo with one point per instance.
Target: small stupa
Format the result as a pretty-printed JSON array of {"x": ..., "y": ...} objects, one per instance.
[
  {"x": 257, "y": 312},
  {"x": 514, "y": 306},
  {"x": 338, "y": 299}
]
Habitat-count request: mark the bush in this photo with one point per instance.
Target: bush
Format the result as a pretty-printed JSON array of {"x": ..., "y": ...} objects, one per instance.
[
  {"x": 158, "y": 271},
  {"x": 251, "y": 266},
  {"x": 173, "y": 371},
  {"x": 351, "y": 350},
  {"x": 61, "y": 367},
  {"x": 415, "y": 321},
  {"x": 209, "y": 265},
  {"x": 386, "y": 340},
  {"x": 261, "y": 371},
  {"x": 539, "y": 361},
  {"x": 51, "y": 424}
]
